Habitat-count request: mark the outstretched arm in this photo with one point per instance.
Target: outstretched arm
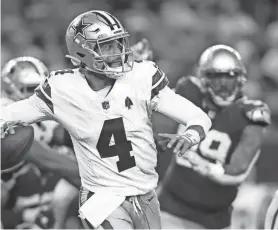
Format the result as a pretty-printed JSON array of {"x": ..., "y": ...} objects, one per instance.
[
  {"x": 247, "y": 152},
  {"x": 184, "y": 112},
  {"x": 242, "y": 159},
  {"x": 30, "y": 110}
]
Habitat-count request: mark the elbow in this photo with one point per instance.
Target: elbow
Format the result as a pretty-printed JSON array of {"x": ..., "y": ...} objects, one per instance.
[
  {"x": 241, "y": 169},
  {"x": 223, "y": 176},
  {"x": 229, "y": 180},
  {"x": 235, "y": 171},
  {"x": 235, "y": 175}
]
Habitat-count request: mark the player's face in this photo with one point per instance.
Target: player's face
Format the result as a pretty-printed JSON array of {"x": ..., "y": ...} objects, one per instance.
[
  {"x": 112, "y": 52},
  {"x": 222, "y": 84}
]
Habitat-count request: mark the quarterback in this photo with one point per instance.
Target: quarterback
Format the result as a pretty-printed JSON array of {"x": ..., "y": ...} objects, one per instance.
[
  {"x": 199, "y": 188},
  {"x": 106, "y": 105}
]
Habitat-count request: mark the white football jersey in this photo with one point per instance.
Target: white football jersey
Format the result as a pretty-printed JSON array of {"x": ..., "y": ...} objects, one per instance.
[
  {"x": 112, "y": 134},
  {"x": 43, "y": 131},
  {"x": 111, "y": 128},
  {"x": 5, "y": 101}
]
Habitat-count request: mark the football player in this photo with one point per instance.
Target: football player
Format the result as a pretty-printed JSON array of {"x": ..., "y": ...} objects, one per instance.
[
  {"x": 63, "y": 201},
  {"x": 106, "y": 104},
  {"x": 200, "y": 187},
  {"x": 20, "y": 76},
  {"x": 271, "y": 219}
]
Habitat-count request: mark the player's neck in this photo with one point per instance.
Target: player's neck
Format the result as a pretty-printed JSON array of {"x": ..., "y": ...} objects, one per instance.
[{"x": 98, "y": 81}]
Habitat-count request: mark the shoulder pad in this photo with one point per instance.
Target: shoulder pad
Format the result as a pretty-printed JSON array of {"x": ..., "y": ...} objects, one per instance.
[{"x": 257, "y": 111}]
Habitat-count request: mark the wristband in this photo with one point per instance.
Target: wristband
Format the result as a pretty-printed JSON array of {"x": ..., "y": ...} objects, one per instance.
[{"x": 192, "y": 135}]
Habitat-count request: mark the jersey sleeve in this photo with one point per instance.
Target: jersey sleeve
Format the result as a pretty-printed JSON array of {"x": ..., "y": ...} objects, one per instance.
[
  {"x": 30, "y": 110},
  {"x": 183, "y": 111},
  {"x": 36, "y": 108},
  {"x": 159, "y": 81},
  {"x": 257, "y": 112},
  {"x": 150, "y": 81},
  {"x": 43, "y": 91}
]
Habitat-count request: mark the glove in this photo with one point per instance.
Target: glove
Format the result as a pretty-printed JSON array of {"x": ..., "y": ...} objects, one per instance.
[{"x": 8, "y": 127}]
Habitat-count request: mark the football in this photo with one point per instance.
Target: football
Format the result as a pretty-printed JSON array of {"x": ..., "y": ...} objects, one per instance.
[{"x": 14, "y": 147}]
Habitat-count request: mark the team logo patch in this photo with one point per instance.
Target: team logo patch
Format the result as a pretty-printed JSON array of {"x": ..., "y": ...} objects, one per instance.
[
  {"x": 105, "y": 105},
  {"x": 128, "y": 103}
]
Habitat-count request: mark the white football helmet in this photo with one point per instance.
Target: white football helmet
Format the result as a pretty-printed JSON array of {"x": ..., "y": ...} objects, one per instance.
[
  {"x": 20, "y": 76},
  {"x": 98, "y": 42},
  {"x": 222, "y": 74}
]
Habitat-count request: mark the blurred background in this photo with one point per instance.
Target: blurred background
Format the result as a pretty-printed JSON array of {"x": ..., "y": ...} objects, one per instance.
[{"x": 178, "y": 31}]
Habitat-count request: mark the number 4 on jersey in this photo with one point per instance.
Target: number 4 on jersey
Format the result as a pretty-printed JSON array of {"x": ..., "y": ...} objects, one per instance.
[{"x": 122, "y": 147}]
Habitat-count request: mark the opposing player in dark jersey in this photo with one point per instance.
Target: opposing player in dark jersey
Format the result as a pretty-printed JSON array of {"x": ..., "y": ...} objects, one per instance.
[{"x": 199, "y": 188}]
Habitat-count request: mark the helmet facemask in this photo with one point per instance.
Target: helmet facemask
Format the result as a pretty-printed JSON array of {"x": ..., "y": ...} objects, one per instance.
[
  {"x": 112, "y": 57},
  {"x": 222, "y": 73},
  {"x": 223, "y": 87}
]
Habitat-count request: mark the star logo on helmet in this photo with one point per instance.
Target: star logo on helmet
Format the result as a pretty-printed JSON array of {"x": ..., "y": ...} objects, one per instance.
[{"x": 80, "y": 27}]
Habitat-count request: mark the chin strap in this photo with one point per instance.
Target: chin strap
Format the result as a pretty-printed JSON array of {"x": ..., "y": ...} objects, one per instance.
[{"x": 75, "y": 61}]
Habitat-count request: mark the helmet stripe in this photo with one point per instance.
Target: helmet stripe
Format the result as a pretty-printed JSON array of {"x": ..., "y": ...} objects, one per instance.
[
  {"x": 115, "y": 19},
  {"x": 108, "y": 17},
  {"x": 105, "y": 19},
  {"x": 109, "y": 20}
]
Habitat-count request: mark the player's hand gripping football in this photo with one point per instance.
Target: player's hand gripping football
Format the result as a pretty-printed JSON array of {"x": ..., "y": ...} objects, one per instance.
[
  {"x": 180, "y": 142},
  {"x": 7, "y": 127},
  {"x": 141, "y": 50}
]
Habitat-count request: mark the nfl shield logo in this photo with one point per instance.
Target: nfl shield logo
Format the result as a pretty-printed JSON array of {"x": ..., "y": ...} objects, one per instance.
[{"x": 105, "y": 105}]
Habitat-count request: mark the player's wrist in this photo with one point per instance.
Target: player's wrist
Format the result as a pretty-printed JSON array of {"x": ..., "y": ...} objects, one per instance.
[{"x": 192, "y": 135}]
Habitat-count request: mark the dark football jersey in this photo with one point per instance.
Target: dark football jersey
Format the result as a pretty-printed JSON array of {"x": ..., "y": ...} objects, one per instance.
[{"x": 186, "y": 191}]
